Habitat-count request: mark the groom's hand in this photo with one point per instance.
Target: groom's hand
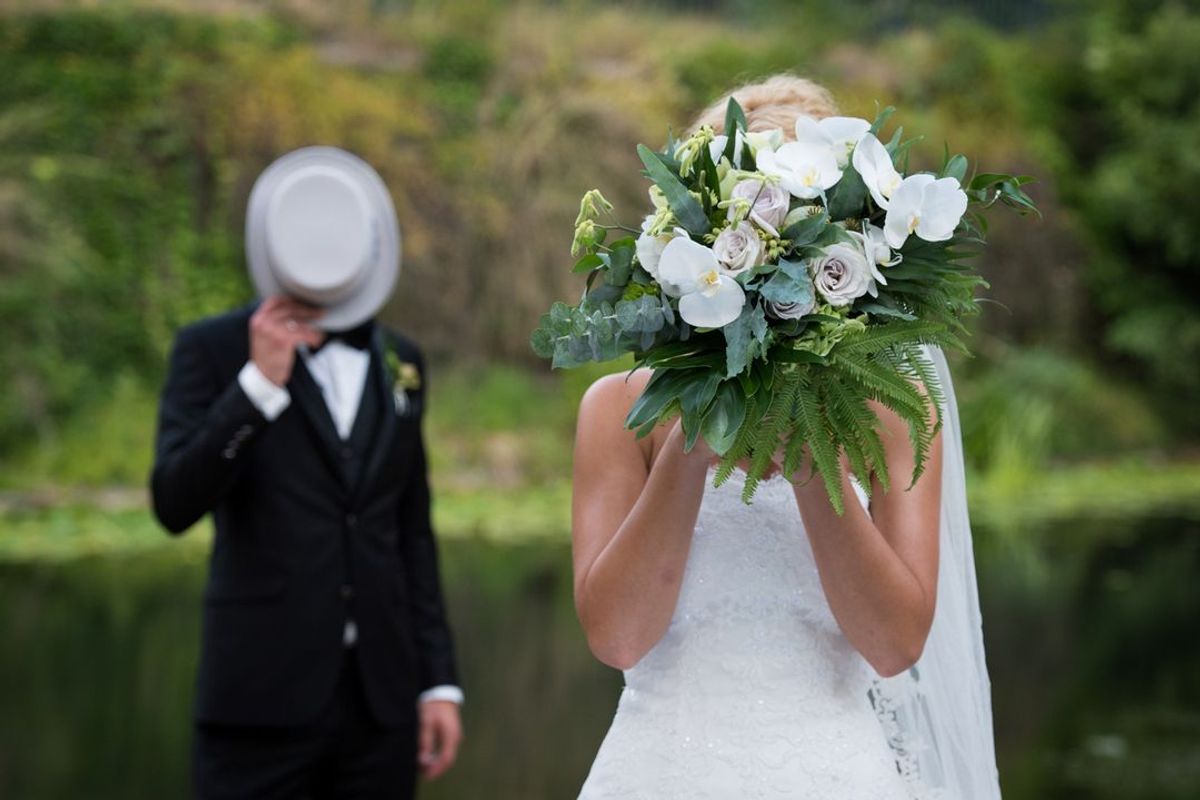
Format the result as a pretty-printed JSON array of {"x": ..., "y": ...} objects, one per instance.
[
  {"x": 439, "y": 737},
  {"x": 278, "y": 326}
]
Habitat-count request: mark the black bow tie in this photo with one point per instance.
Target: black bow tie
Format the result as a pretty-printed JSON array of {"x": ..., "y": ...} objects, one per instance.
[{"x": 358, "y": 338}]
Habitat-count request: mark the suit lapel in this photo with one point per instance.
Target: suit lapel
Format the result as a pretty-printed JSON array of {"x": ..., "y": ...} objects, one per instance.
[
  {"x": 377, "y": 381},
  {"x": 308, "y": 396}
]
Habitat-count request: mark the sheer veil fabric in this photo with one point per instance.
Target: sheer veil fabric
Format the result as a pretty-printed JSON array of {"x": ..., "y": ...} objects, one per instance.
[{"x": 938, "y": 715}]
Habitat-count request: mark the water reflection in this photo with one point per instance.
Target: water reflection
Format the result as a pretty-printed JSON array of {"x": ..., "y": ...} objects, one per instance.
[{"x": 1095, "y": 666}]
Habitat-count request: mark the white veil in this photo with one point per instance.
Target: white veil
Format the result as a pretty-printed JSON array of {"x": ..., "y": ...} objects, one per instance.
[{"x": 938, "y": 714}]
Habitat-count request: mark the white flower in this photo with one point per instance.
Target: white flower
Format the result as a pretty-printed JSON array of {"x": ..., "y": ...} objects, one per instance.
[
  {"x": 874, "y": 164},
  {"x": 769, "y": 203},
  {"x": 764, "y": 140},
  {"x": 927, "y": 206},
  {"x": 738, "y": 248},
  {"x": 806, "y": 170},
  {"x": 789, "y": 310},
  {"x": 756, "y": 140},
  {"x": 839, "y": 134},
  {"x": 691, "y": 272},
  {"x": 657, "y": 198},
  {"x": 650, "y": 248},
  {"x": 716, "y": 148},
  {"x": 875, "y": 247},
  {"x": 842, "y": 274}
]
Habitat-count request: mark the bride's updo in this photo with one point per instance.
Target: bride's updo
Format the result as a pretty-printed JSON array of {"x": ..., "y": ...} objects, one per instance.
[{"x": 772, "y": 103}]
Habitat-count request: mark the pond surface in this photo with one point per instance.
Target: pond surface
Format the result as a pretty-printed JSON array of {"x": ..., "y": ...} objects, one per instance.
[{"x": 1092, "y": 641}]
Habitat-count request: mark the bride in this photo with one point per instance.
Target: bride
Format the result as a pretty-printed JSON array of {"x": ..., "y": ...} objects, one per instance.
[{"x": 778, "y": 650}]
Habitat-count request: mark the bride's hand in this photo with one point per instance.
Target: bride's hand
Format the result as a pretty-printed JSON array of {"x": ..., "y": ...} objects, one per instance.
[{"x": 700, "y": 450}]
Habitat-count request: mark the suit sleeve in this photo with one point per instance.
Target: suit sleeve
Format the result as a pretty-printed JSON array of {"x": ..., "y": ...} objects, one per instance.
[
  {"x": 435, "y": 646},
  {"x": 204, "y": 426}
]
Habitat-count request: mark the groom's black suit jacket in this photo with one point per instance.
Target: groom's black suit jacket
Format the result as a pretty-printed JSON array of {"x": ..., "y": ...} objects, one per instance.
[{"x": 310, "y": 530}]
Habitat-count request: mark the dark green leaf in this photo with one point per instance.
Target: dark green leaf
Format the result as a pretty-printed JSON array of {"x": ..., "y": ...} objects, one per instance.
[
  {"x": 806, "y": 230},
  {"x": 848, "y": 197},
  {"x": 588, "y": 263},
  {"x": 723, "y": 420},
  {"x": 687, "y": 209}
]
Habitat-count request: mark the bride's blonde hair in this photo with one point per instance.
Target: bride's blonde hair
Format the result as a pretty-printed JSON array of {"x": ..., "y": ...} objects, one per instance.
[{"x": 772, "y": 103}]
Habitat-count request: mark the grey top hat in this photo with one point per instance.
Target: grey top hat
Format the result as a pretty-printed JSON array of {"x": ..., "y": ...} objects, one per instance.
[{"x": 320, "y": 227}]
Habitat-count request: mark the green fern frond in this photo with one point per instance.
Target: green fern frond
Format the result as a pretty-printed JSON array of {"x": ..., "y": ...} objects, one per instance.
[{"x": 821, "y": 445}]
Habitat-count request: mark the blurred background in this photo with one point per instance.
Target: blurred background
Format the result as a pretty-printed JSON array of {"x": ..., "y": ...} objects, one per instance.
[{"x": 130, "y": 134}]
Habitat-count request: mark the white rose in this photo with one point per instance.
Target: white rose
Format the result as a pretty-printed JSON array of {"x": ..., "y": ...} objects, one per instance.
[
  {"x": 789, "y": 310},
  {"x": 738, "y": 249},
  {"x": 842, "y": 274},
  {"x": 769, "y": 203}
]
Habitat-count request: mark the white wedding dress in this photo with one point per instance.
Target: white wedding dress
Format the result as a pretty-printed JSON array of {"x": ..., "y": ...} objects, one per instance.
[{"x": 754, "y": 692}]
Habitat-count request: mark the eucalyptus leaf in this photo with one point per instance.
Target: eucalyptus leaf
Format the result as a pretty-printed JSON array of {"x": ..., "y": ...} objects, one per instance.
[
  {"x": 643, "y": 315},
  {"x": 743, "y": 339},
  {"x": 956, "y": 167},
  {"x": 620, "y": 263},
  {"x": 790, "y": 284}
]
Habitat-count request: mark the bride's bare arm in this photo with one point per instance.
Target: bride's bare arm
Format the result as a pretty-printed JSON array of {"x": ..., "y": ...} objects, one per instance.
[
  {"x": 631, "y": 524},
  {"x": 879, "y": 570}
]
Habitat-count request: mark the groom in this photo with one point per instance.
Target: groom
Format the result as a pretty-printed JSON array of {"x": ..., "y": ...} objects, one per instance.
[{"x": 327, "y": 667}]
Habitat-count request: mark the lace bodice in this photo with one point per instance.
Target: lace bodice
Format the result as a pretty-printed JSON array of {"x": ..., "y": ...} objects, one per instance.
[{"x": 753, "y": 691}]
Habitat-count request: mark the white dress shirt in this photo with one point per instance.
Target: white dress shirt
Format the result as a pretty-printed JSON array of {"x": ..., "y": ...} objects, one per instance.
[{"x": 341, "y": 373}]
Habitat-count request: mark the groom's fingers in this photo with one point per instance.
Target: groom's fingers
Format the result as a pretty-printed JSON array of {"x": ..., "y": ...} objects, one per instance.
[
  {"x": 425, "y": 745},
  {"x": 439, "y": 738},
  {"x": 448, "y": 738}
]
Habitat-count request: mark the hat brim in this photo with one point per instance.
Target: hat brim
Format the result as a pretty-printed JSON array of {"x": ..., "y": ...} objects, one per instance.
[{"x": 376, "y": 287}]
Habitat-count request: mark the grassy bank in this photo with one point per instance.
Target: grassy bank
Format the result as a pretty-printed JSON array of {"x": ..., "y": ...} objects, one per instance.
[{"x": 1010, "y": 515}]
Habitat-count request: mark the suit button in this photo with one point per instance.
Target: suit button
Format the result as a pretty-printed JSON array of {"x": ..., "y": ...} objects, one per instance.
[
  {"x": 347, "y": 453},
  {"x": 347, "y": 592},
  {"x": 351, "y": 520}
]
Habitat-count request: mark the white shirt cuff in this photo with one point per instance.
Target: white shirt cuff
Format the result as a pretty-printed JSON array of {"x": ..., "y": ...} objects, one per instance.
[
  {"x": 451, "y": 694},
  {"x": 268, "y": 398}
]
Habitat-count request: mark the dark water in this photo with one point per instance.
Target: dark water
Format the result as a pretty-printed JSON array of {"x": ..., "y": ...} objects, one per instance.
[{"x": 1092, "y": 640}]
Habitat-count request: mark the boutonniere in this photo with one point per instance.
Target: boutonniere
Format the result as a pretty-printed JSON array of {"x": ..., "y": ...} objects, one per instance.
[{"x": 405, "y": 378}]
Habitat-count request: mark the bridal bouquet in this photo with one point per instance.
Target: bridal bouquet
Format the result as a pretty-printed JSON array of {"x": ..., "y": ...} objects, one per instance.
[{"x": 779, "y": 287}]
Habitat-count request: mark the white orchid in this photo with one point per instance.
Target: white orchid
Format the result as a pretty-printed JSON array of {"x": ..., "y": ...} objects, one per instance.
[
  {"x": 839, "y": 134},
  {"x": 927, "y": 206},
  {"x": 708, "y": 298},
  {"x": 875, "y": 246},
  {"x": 874, "y": 164},
  {"x": 805, "y": 169}
]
